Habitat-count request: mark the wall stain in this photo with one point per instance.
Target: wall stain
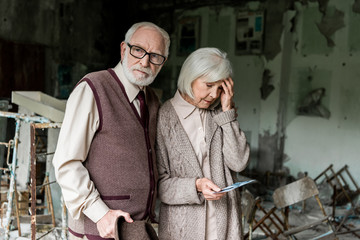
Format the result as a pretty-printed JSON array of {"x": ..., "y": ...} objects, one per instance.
[{"x": 330, "y": 23}]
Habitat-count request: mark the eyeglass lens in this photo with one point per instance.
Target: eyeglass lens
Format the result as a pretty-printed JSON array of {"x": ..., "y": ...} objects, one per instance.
[{"x": 138, "y": 52}]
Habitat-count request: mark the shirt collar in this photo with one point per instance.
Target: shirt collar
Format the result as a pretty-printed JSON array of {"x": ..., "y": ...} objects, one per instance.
[
  {"x": 131, "y": 89},
  {"x": 182, "y": 107}
]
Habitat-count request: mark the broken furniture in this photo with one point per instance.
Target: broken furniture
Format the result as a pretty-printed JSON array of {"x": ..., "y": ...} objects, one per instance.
[
  {"x": 339, "y": 181},
  {"x": 36, "y": 122},
  {"x": 13, "y": 144},
  {"x": 247, "y": 213},
  {"x": 41, "y": 104},
  {"x": 343, "y": 193},
  {"x": 21, "y": 199},
  {"x": 269, "y": 222},
  {"x": 297, "y": 192},
  {"x": 35, "y": 103},
  {"x": 31, "y": 125},
  {"x": 45, "y": 185}
]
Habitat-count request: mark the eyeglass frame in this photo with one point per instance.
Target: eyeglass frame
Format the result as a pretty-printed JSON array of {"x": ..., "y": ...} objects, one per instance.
[{"x": 146, "y": 53}]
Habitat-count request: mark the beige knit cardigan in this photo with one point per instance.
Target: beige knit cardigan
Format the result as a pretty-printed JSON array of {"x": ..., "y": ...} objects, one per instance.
[{"x": 183, "y": 209}]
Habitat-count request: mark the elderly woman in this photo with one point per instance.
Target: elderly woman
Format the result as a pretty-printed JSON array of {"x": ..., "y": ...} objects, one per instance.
[{"x": 199, "y": 147}]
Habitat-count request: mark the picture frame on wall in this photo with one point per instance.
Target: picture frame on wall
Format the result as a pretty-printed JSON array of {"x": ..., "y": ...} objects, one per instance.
[
  {"x": 249, "y": 33},
  {"x": 188, "y": 35}
]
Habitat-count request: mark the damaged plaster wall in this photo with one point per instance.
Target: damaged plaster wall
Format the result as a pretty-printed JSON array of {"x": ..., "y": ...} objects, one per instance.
[
  {"x": 278, "y": 56},
  {"x": 307, "y": 45},
  {"x": 323, "y": 62},
  {"x": 314, "y": 142}
]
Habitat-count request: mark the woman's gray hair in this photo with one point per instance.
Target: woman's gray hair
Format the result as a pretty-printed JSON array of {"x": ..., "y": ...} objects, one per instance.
[
  {"x": 211, "y": 63},
  {"x": 136, "y": 26}
]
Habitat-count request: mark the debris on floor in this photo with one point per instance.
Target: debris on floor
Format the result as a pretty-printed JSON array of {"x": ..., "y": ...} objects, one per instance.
[{"x": 290, "y": 202}]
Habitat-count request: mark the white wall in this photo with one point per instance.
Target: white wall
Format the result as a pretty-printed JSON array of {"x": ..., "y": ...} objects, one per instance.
[{"x": 313, "y": 143}]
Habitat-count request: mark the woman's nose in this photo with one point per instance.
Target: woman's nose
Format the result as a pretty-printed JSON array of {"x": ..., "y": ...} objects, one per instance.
[{"x": 215, "y": 93}]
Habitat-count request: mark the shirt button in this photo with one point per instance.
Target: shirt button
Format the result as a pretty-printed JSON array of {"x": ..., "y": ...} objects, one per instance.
[{"x": 150, "y": 150}]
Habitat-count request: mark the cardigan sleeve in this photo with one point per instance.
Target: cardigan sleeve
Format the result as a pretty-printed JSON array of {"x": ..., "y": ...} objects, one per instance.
[
  {"x": 235, "y": 149},
  {"x": 173, "y": 190}
]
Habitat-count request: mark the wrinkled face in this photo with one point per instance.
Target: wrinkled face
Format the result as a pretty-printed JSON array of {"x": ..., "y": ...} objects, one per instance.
[
  {"x": 140, "y": 71},
  {"x": 205, "y": 93}
]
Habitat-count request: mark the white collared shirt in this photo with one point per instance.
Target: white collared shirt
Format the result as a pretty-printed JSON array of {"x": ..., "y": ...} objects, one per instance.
[
  {"x": 130, "y": 89},
  {"x": 193, "y": 120}
]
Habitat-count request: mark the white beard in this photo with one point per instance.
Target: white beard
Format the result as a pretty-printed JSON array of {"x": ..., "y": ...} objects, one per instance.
[{"x": 139, "y": 81}]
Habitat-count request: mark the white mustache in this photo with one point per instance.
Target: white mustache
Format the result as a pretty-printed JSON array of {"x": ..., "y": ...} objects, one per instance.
[{"x": 145, "y": 70}]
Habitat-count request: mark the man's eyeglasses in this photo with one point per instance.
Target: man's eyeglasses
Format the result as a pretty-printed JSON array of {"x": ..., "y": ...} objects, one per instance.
[{"x": 140, "y": 53}]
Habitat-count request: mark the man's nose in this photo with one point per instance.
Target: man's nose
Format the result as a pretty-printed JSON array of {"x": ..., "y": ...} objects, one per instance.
[{"x": 145, "y": 61}]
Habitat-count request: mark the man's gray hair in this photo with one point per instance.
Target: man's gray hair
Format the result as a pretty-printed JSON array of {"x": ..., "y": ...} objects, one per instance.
[
  {"x": 204, "y": 62},
  {"x": 136, "y": 26}
]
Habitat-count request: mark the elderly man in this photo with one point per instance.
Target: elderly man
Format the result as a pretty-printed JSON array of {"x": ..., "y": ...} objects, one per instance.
[{"x": 105, "y": 160}]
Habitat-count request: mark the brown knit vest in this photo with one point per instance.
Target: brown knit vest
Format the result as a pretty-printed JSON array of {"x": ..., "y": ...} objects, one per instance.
[{"x": 121, "y": 160}]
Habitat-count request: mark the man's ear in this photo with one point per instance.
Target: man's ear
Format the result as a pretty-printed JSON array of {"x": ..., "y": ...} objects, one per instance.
[{"x": 122, "y": 50}]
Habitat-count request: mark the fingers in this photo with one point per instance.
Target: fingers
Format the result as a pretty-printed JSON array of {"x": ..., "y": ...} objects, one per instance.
[
  {"x": 106, "y": 225},
  {"x": 227, "y": 102},
  {"x": 204, "y": 184},
  {"x": 216, "y": 196},
  {"x": 207, "y": 187},
  {"x": 213, "y": 196},
  {"x": 127, "y": 217},
  {"x": 228, "y": 86}
]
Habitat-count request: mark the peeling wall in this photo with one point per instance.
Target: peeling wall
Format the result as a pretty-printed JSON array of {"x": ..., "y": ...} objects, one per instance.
[
  {"x": 308, "y": 45},
  {"x": 274, "y": 27},
  {"x": 314, "y": 142},
  {"x": 320, "y": 48}
]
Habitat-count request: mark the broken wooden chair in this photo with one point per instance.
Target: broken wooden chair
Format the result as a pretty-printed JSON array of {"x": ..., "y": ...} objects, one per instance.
[
  {"x": 269, "y": 222},
  {"x": 297, "y": 192},
  {"x": 247, "y": 211},
  {"x": 339, "y": 181},
  {"x": 343, "y": 193}
]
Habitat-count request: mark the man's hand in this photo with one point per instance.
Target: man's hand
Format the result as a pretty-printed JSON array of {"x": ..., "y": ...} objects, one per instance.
[{"x": 106, "y": 225}]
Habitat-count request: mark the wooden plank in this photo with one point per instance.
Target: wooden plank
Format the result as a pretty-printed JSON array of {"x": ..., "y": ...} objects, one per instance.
[{"x": 40, "y": 103}]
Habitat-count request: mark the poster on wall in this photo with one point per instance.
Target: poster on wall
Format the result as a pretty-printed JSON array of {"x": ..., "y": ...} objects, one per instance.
[
  {"x": 188, "y": 35},
  {"x": 249, "y": 33}
]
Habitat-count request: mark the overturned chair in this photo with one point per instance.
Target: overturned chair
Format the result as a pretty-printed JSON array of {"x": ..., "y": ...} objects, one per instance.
[
  {"x": 267, "y": 220},
  {"x": 297, "y": 192},
  {"x": 345, "y": 190}
]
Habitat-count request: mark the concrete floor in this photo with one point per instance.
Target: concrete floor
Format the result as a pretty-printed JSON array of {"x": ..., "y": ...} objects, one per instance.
[{"x": 297, "y": 217}]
